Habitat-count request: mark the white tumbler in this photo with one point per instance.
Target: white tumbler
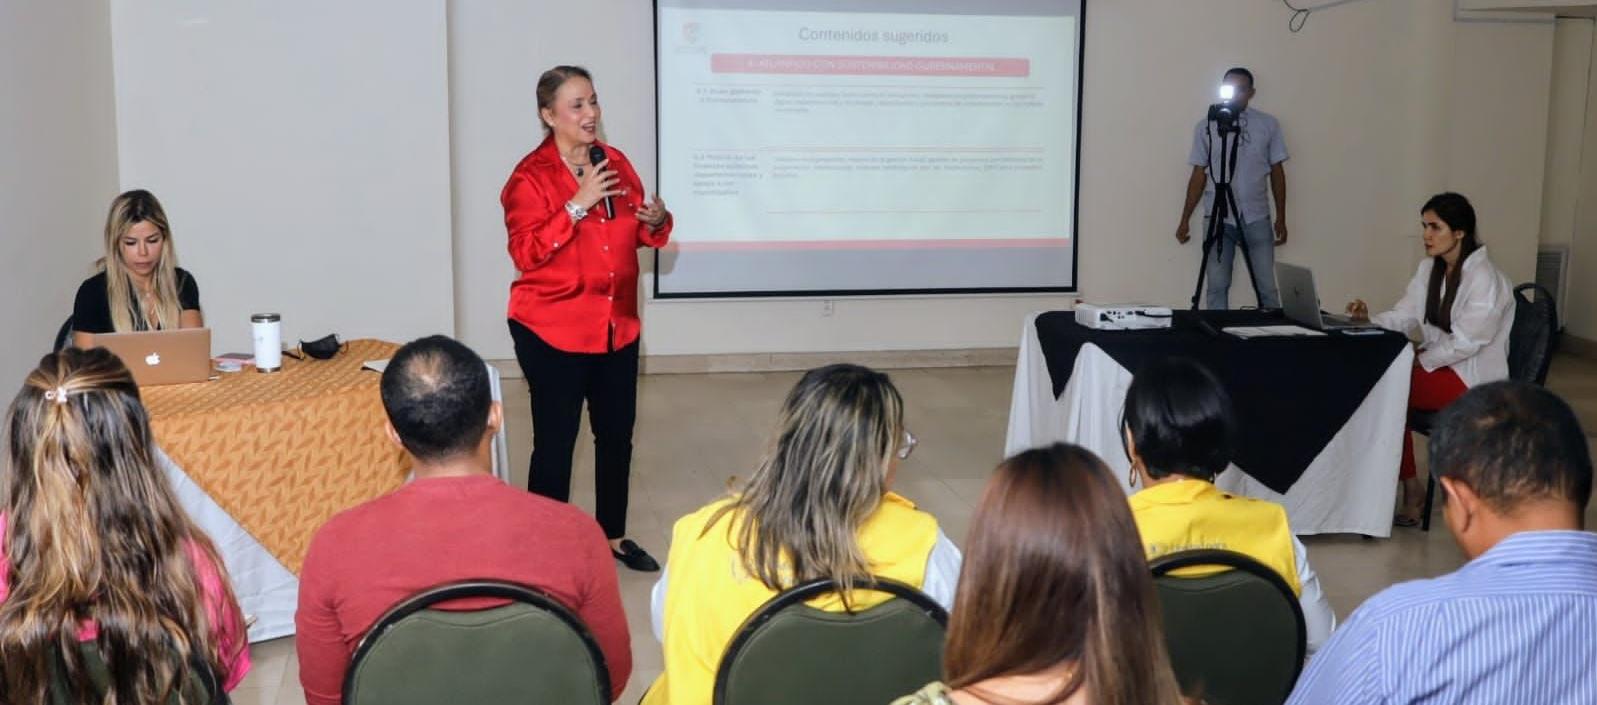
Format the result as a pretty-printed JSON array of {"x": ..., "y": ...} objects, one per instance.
[{"x": 267, "y": 329}]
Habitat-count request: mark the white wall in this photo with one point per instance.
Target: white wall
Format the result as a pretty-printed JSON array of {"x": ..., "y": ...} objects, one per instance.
[
  {"x": 1566, "y": 129},
  {"x": 301, "y": 149},
  {"x": 1581, "y": 314},
  {"x": 57, "y": 167},
  {"x": 1383, "y": 104},
  {"x": 1502, "y": 86}
]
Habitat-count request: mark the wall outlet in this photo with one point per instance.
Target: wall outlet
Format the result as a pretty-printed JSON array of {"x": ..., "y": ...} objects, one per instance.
[{"x": 827, "y": 307}]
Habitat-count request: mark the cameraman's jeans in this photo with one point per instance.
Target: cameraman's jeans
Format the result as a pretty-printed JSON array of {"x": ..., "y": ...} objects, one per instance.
[{"x": 1259, "y": 237}]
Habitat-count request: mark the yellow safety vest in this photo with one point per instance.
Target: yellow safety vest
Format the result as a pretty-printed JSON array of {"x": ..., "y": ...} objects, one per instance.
[
  {"x": 1192, "y": 514},
  {"x": 709, "y": 592}
]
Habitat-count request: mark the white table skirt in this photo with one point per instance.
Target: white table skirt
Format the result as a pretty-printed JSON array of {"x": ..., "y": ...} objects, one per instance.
[
  {"x": 1350, "y": 486},
  {"x": 266, "y": 590}
]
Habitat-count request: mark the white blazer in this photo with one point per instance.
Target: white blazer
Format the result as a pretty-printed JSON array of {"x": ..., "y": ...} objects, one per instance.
[{"x": 1483, "y": 314}]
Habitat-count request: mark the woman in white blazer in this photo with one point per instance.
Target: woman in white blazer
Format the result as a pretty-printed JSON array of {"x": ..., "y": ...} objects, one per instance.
[{"x": 1462, "y": 307}]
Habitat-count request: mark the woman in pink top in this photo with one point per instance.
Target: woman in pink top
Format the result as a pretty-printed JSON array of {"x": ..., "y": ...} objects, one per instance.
[{"x": 96, "y": 548}]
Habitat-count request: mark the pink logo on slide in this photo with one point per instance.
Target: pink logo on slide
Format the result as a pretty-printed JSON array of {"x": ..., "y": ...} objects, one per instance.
[{"x": 690, "y": 32}]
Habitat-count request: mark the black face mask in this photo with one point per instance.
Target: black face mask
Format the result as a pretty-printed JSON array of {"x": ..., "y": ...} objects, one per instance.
[{"x": 321, "y": 348}]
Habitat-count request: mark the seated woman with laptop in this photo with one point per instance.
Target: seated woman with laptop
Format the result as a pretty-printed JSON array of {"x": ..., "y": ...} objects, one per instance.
[
  {"x": 139, "y": 287},
  {"x": 1463, "y": 308}
]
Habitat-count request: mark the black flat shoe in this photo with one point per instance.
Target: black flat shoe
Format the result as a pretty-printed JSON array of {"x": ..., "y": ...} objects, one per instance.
[{"x": 633, "y": 556}]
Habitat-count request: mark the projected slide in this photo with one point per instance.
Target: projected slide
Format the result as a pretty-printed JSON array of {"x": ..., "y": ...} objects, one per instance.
[{"x": 821, "y": 146}]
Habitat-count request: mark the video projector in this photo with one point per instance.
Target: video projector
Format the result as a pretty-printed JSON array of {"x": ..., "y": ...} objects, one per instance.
[{"x": 1122, "y": 316}]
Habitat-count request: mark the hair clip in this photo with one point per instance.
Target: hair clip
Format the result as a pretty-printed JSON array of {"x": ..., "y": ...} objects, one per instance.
[{"x": 57, "y": 395}]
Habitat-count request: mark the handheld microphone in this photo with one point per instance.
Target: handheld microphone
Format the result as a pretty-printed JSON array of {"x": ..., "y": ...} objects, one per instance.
[{"x": 596, "y": 155}]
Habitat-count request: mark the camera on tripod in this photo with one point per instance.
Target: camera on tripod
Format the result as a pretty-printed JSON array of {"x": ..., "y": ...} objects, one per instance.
[
  {"x": 1222, "y": 165},
  {"x": 1224, "y": 113}
]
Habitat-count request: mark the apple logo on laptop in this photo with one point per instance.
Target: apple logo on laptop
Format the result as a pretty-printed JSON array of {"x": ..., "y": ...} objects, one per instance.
[{"x": 153, "y": 359}]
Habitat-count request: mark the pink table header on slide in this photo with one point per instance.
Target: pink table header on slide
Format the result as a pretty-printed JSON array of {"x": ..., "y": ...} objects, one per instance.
[{"x": 869, "y": 65}]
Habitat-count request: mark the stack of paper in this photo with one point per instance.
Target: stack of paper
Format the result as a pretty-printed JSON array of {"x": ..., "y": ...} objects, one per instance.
[{"x": 1271, "y": 331}]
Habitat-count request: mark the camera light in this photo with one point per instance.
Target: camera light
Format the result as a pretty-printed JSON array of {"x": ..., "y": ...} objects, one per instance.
[{"x": 1227, "y": 91}]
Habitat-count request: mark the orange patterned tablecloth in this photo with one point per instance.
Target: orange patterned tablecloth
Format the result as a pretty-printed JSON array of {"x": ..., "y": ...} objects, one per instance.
[{"x": 282, "y": 453}]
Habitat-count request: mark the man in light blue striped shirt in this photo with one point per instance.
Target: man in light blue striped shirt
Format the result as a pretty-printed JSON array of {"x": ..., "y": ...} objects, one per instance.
[{"x": 1518, "y": 623}]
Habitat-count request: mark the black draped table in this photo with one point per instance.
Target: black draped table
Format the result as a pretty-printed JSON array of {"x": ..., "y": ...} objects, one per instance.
[{"x": 1321, "y": 417}]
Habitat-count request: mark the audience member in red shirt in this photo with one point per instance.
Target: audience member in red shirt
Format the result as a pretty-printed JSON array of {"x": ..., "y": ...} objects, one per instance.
[
  {"x": 454, "y": 521},
  {"x": 574, "y": 304}
]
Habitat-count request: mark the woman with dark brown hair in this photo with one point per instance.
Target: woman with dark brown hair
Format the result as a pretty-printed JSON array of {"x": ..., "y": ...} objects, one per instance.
[
  {"x": 1055, "y": 602},
  {"x": 1461, "y": 306}
]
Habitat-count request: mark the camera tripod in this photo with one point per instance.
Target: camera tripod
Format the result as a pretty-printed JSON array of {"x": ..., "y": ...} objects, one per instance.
[{"x": 1225, "y": 201}]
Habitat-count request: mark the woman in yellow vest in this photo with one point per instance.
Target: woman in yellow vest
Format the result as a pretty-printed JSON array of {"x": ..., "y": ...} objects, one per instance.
[
  {"x": 1056, "y": 604},
  {"x": 818, "y": 506},
  {"x": 1179, "y": 428}
]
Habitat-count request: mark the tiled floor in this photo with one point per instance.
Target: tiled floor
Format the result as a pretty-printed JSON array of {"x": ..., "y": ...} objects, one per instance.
[{"x": 696, "y": 431}]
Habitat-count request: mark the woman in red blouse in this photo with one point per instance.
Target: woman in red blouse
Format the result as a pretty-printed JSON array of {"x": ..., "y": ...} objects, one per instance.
[{"x": 574, "y": 304}]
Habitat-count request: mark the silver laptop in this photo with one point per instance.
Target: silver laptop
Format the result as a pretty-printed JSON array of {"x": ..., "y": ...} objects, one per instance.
[
  {"x": 1301, "y": 302},
  {"x": 162, "y": 357}
]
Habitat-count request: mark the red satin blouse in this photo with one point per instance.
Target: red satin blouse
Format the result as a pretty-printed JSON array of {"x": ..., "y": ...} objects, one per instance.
[{"x": 578, "y": 282}]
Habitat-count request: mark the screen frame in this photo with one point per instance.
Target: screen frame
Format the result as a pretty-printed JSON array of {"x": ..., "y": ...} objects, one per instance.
[{"x": 1075, "y": 213}]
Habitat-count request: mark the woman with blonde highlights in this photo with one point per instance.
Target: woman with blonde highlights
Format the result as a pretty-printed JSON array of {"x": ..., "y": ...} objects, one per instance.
[
  {"x": 820, "y": 505},
  {"x": 139, "y": 286},
  {"x": 576, "y": 216},
  {"x": 97, "y": 550},
  {"x": 1056, "y": 603}
]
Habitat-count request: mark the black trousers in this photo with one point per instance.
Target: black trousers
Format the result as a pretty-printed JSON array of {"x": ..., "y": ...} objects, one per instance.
[{"x": 560, "y": 382}]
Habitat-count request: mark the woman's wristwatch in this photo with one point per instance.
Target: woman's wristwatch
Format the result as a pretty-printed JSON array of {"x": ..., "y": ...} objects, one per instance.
[{"x": 575, "y": 211}]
